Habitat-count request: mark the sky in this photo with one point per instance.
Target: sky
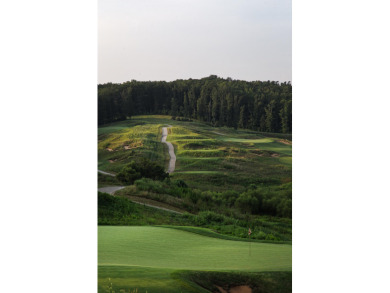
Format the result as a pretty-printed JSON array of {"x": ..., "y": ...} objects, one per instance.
[{"x": 180, "y": 39}]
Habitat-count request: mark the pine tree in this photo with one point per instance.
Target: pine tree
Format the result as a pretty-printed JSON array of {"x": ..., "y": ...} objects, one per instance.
[
  {"x": 174, "y": 107},
  {"x": 269, "y": 117},
  {"x": 186, "y": 106},
  {"x": 242, "y": 121}
]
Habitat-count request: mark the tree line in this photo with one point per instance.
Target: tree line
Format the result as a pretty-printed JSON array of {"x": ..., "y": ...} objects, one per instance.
[{"x": 257, "y": 105}]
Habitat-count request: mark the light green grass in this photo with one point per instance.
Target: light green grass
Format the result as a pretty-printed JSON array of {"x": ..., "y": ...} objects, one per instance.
[
  {"x": 173, "y": 249},
  {"x": 116, "y": 126}
]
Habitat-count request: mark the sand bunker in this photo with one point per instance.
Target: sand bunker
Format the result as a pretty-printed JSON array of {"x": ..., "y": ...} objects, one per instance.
[{"x": 285, "y": 141}]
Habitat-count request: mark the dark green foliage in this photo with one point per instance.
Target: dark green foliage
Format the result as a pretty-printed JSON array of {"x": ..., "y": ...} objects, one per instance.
[
  {"x": 105, "y": 180},
  {"x": 247, "y": 203},
  {"x": 180, "y": 183},
  {"x": 113, "y": 207},
  {"x": 230, "y": 232},
  {"x": 257, "y": 105},
  {"x": 141, "y": 168},
  {"x": 128, "y": 174},
  {"x": 267, "y": 200},
  {"x": 121, "y": 211}
]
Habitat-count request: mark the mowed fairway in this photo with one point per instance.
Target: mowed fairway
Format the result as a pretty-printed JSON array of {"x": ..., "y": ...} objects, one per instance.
[{"x": 156, "y": 247}]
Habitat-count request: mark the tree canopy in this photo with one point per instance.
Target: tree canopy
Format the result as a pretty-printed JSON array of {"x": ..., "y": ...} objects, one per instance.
[{"x": 256, "y": 105}]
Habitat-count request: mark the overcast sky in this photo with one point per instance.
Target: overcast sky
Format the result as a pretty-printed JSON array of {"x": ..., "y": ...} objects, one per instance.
[{"x": 181, "y": 39}]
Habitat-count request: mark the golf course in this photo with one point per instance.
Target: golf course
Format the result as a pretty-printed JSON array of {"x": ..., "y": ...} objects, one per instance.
[
  {"x": 188, "y": 231},
  {"x": 150, "y": 256}
]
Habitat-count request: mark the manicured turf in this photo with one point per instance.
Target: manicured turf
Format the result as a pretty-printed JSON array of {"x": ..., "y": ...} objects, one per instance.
[{"x": 157, "y": 247}]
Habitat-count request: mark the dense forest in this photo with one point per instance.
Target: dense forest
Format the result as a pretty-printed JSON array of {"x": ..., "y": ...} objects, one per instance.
[{"x": 257, "y": 105}]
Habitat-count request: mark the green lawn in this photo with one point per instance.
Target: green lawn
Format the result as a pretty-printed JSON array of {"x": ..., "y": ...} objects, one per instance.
[
  {"x": 146, "y": 258},
  {"x": 157, "y": 247}
]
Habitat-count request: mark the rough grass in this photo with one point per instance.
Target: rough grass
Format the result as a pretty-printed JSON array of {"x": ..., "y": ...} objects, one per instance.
[
  {"x": 211, "y": 233},
  {"x": 197, "y": 172},
  {"x": 121, "y": 211},
  {"x": 152, "y": 280},
  {"x": 117, "y": 148},
  {"x": 137, "y": 280},
  {"x": 205, "y": 159},
  {"x": 117, "y": 126}
]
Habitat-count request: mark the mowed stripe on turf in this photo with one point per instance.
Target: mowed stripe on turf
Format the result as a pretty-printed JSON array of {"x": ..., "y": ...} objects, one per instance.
[{"x": 169, "y": 248}]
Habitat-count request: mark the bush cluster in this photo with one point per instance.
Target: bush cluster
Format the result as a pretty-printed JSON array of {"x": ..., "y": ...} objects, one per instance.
[
  {"x": 273, "y": 201},
  {"x": 141, "y": 168}
]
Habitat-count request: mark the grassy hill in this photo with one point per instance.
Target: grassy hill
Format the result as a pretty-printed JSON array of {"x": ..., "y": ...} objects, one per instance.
[
  {"x": 207, "y": 157},
  {"x": 225, "y": 181}
]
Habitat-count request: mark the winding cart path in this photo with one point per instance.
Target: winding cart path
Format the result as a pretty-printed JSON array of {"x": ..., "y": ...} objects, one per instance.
[
  {"x": 172, "y": 160},
  {"x": 112, "y": 189}
]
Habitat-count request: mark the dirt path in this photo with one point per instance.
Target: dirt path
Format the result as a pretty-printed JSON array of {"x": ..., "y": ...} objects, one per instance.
[
  {"x": 110, "y": 189},
  {"x": 172, "y": 160},
  {"x": 156, "y": 207},
  {"x": 105, "y": 173}
]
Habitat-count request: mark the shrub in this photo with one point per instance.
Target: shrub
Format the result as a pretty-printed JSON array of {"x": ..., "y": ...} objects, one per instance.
[
  {"x": 141, "y": 168},
  {"x": 147, "y": 184},
  {"x": 247, "y": 203},
  {"x": 128, "y": 174},
  {"x": 180, "y": 183},
  {"x": 209, "y": 217}
]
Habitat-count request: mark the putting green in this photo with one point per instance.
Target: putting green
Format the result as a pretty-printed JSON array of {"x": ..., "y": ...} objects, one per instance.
[{"x": 157, "y": 247}]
